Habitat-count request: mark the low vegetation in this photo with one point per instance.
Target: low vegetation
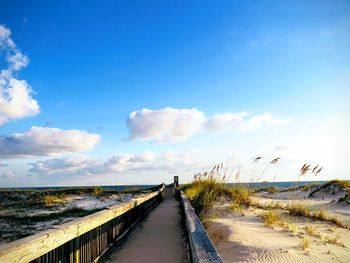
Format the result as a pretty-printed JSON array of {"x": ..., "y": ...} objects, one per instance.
[
  {"x": 334, "y": 240},
  {"x": 310, "y": 230},
  {"x": 51, "y": 200},
  {"x": 301, "y": 209},
  {"x": 240, "y": 197},
  {"x": 69, "y": 212},
  {"x": 332, "y": 187},
  {"x": 298, "y": 209},
  {"x": 208, "y": 187},
  {"x": 305, "y": 243},
  {"x": 270, "y": 217},
  {"x": 291, "y": 228}
]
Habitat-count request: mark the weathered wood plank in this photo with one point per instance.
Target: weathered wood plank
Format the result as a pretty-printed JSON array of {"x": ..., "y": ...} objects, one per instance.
[
  {"x": 32, "y": 247},
  {"x": 202, "y": 249}
]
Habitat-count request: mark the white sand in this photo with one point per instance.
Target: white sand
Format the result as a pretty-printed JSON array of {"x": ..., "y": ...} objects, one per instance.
[{"x": 245, "y": 238}]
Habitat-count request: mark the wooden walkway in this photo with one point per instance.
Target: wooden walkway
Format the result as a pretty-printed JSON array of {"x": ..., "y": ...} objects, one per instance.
[{"x": 160, "y": 238}]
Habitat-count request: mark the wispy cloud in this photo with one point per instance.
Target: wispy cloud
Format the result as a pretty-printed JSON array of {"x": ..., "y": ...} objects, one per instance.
[
  {"x": 8, "y": 174},
  {"x": 15, "y": 95},
  {"x": 170, "y": 124},
  {"x": 2, "y": 164},
  {"x": 40, "y": 141},
  {"x": 169, "y": 162}
]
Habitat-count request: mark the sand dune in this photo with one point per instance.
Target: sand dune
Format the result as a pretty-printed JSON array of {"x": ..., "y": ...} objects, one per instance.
[{"x": 245, "y": 238}]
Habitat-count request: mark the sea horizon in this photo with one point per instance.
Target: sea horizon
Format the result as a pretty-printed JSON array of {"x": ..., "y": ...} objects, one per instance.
[{"x": 279, "y": 184}]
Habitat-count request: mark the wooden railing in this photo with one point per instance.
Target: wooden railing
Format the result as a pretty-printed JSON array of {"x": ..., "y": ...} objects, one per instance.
[
  {"x": 83, "y": 240},
  {"x": 201, "y": 249}
]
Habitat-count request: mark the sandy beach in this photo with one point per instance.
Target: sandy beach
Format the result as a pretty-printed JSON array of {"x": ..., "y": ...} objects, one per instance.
[{"x": 242, "y": 235}]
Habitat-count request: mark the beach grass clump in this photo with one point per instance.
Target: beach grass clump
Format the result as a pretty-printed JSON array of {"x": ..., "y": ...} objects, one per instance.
[
  {"x": 333, "y": 187},
  {"x": 240, "y": 196},
  {"x": 292, "y": 228},
  {"x": 202, "y": 193},
  {"x": 96, "y": 191},
  {"x": 51, "y": 200},
  {"x": 132, "y": 190},
  {"x": 305, "y": 243},
  {"x": 270, "y": 217},
  {"x": 270, "y": 189},
  {"x": 298, "y": 209},
  {"x": 341, "y": 183},
  {"x": 321, "y": 214},
  {"x": 206, "y": 188},
  {"x": 274, "y": 205},
  {"x": 310, "y": 230},
  {"x": 307, "y": 187},
  {"x": 334, "y": 240},
  {"x": 345, "y": 199}
]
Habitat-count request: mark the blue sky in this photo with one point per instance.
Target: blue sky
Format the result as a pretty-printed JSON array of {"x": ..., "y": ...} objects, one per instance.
[{"x": 195, "y": 65}]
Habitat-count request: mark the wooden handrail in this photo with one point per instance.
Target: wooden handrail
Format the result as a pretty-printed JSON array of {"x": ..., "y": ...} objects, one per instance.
[
  {"x": 202, "y": 249},
  {"x": 32, "y": 247}
]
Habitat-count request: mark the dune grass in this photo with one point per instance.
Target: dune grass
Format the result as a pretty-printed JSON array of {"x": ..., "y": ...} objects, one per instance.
[
  {"x": 310, "y": 230},
  {"x": 334, "y": 240},
  {"x": 270, "y": 217},
  {"x": 305, "y": 243},
  {"x": 204, "y": 191},
  {"x": 208, "y": 187},
  {"x": 69, "y": 212},
  {"x": 301, "y": 209},
  {"x": 51, "y": 200},
  {"x": 298, "y": 209}
]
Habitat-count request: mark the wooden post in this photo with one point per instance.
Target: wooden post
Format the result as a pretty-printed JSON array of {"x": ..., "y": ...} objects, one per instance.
[
  {"x": 176, "y": 181},
  {"x": 77, "y": 250}
]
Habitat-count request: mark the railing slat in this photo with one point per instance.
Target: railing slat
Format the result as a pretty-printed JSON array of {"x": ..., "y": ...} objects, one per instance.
[{"x": 82, "y": 240}]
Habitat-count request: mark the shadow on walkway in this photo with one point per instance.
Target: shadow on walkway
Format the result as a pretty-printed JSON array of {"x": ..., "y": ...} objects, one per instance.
[{"x": 160, "y": 238}]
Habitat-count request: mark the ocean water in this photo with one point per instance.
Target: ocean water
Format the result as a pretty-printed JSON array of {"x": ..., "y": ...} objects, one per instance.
[
  {"x": 280, "y": 185},
  {"x": 114, "y": 187}
]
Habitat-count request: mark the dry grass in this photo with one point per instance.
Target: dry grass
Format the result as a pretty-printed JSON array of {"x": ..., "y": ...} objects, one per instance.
[
  {"x": 207, "y": 187},
  {"x": 240, "y": 196},
  {"x": 301, "y": 209},
  {"x": 270, "y": 217},
  {"x": 341, "y": 183},
  {"x": 69, "y": 212},
  {"x": 305, "y": 243},
  {"x": 298, "y": 209},
  {"x": 334, "y": 240},
  {"x": 321, "y": 215},
  {"x": 96, "y": 191},
  {"x": 310, "y": 230},
  {"x": 202, "y": 192},
  {"x": 292, "y": 228},
  {"x": 51, "y": 200}
]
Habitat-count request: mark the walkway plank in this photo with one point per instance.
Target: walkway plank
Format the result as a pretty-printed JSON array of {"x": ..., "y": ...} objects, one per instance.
[{"x": 160, "y": 238}]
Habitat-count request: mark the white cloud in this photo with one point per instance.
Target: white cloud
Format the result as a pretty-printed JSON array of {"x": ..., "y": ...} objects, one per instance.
[
  {"x": 167, "y": 162},
  {"x": 166, "y": 124},
  {"x": 171, "y": 124},
  {"x": 40, "y": 141},
  {"x": 15, "y": 95},
  {"x": 8, "y": 174}
]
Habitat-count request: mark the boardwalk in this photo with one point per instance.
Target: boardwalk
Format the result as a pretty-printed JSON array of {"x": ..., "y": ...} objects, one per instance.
[{"x": 160, "y": 238}]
